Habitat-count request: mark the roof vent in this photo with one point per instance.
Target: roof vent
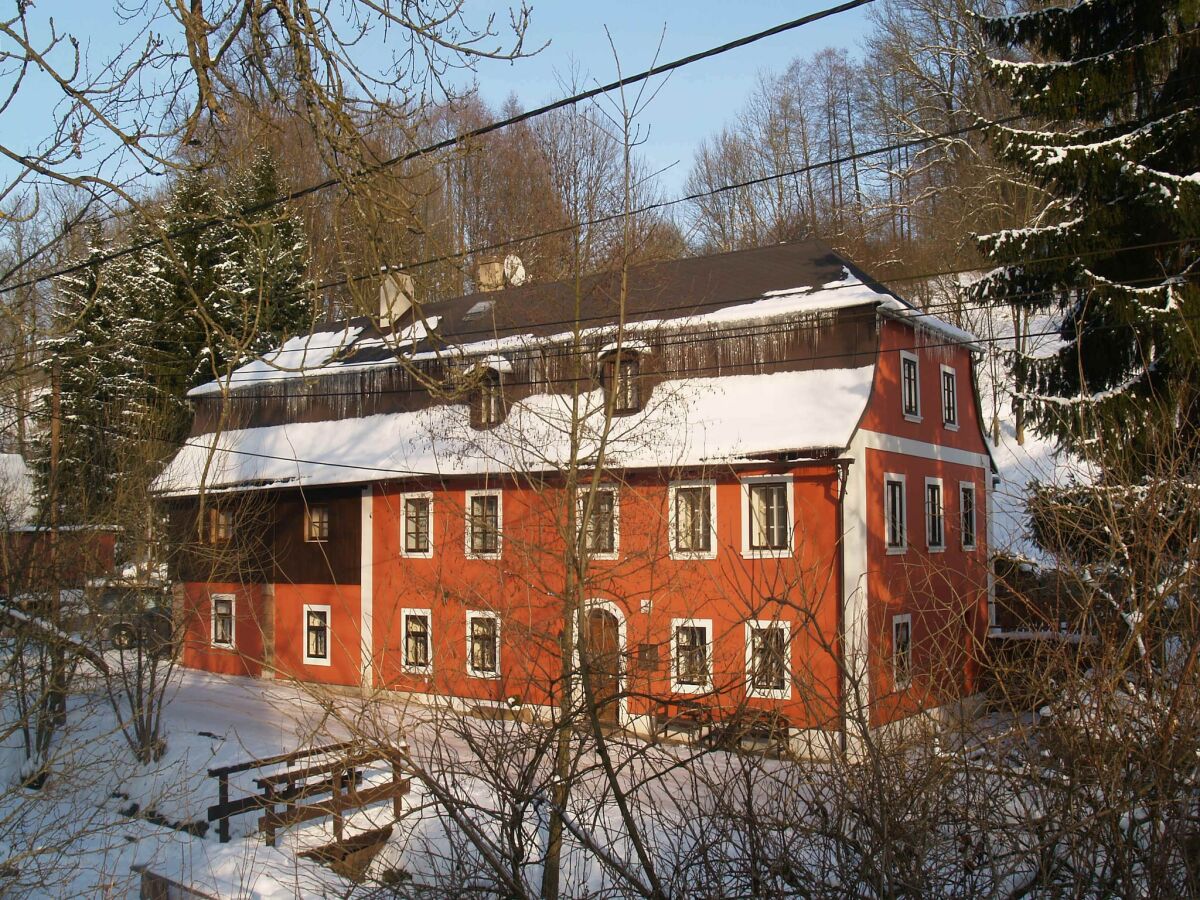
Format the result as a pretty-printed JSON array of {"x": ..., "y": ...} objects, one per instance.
[{"x": 395, "y": 296}]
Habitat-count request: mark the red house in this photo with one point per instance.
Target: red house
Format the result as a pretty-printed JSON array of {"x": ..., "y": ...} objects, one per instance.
[{"x": 790, "y": 512}]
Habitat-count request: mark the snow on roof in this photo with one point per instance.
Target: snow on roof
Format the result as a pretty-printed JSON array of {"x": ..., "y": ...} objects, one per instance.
[
  {"x": 16, "y": 492},
  {"x": 687, "y": 422}
]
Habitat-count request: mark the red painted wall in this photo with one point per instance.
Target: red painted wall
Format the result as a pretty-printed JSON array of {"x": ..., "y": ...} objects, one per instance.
[
  {"x": 345, "y": 635},
  {"x": 251, "y": 620}
]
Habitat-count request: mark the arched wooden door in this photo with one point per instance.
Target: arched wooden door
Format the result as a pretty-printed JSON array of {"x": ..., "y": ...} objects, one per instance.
[{"x": 603, "y": 647}]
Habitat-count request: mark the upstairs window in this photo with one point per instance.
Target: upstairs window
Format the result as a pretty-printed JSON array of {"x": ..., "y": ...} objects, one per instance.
[
  {"x": 416, "y": 525},
  {"x": 894, "y": 514},
  {"x": 767, "y": 659},
  {"x": 949, "y": 398},
  {"x": 692, "y": 520},
  {"x": 690, "y": 656},
  {"x": 600, "y": 530},
  {"x": 966, "y": 511},
  {"x": 935, "y": 520},
  {"x": 910, "y": 385},
  {"x": 220, "y": 525},
  {"x": 483, "y": 523},
  {"x": 483, "y": 645},
  {"x": 416, "y": 643},
  {"x": 222, "y": 620},
  {"x": 316, "y": 635},
  {"x": 901, "y": 651},
  {"x": 623, "y": 381},
  {"x": 316, "y": 523},
  {"x": 769, "y": 524}
]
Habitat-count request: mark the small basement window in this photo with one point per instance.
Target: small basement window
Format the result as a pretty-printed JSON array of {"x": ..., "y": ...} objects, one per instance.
[{"x": 316, "y": 523}]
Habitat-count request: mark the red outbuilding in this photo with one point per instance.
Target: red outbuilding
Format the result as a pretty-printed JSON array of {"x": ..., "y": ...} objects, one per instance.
[{"x": 778, "y": 463}]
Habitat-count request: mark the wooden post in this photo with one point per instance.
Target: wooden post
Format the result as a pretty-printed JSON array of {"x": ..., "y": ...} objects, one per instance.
[
  {"x": 222, "y": 799},
  {"x": 338, "y": 820},
  {"x": 397, "y": 780},
  {"x": 269, "y": 816}
]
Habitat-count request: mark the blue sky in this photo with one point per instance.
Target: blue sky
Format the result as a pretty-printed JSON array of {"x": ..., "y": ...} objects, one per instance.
[{"x": 693, "y": 104}]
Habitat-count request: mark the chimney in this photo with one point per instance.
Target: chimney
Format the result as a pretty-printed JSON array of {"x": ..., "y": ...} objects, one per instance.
[
  {"x": 493, "y": 273},
  {"x": 395, "y": 296}
]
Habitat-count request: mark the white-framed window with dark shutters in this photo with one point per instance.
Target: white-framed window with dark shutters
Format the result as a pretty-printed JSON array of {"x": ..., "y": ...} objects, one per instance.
[
  {"x": 601, "y": 530},
  {"x": 485, "y": 516},
  {"x": 316, "y": 523},
  {"x": 691, "y": 655},
  {"x": 910, "y": 386},
  {"x": 935, "y": 515},
  {"x": 416, "y": 524},
  {"x": 949, "y": 398},
  {"x": 767, "y": 528},
  {"x": 901, "y": 651},
  {"x": 417, "y": 640},
  {"x": 483, "y": 644},
  {"x": 316, "y": 635},
  {"x": 223, "y": 615},
  {"x": 967, "y": 514},
  {"x": 768, "y": 660},
  {"x": 692, "y": 519},
  {"x": 895, "y": 515}
]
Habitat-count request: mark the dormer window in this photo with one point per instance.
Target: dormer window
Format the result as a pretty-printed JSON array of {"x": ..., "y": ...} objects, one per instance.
[
  {"x": 487, "y": 410},
  {"x": 622, "y": 377}
]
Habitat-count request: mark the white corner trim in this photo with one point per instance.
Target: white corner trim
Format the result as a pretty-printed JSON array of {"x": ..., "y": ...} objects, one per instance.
[
  {"x": 676, "y": 553},
  {"x": 316, "y": 660},
  {"x": 785, "y": 693},
  {"x": 855, "y": 580},
  {"x": 676, "y": 685},
  {"x": 366, "y": 577},
  {"x": 499, "y": 495},
  {"x": 409, "y": 668},
  {"x": 890, "y": 443},
  {"x": 404, "y": 498}
]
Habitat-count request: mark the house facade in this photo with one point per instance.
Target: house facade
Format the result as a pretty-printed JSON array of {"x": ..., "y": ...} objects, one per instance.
[{"x": 774, "y": 467}]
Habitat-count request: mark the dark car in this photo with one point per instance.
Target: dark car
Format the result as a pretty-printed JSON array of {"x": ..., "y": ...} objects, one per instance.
[{"x": 137, "y": 616}]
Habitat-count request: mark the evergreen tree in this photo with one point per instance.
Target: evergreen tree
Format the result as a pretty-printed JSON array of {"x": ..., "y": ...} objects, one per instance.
[{"x": 1117, "y": 85}]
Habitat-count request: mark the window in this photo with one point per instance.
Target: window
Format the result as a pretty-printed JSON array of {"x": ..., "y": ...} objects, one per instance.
[
  {"x": 316, "y": 635},
  {"x": 767, "y": 660},
  {"x": 316, "y": 523},
  {"x": 416, "y": 525},
  {"x": 966, "y": 512},
  {"x": 220, "y": 525},
  {"x": 901, "y": 651},
  {"x": 692, "y": 520},
  {"x": 894, "y": 513},
  {"x": 691, "y": 655},
  {"x": 222, "y": 619},
  {"x": 483, "y": 524},
  {"x": 910, "y": 386},
  {"x": 768, "y": 522},
  {"x": 483, "y": 645},
  {"x": 600, "y": 530},
  {"x": 622, "y": 374},
  {"x": 414, "y": 624},
  {"x": 949, "y": 398},
  {"x": 489, "y": 401},
  {"x": 935, "y": 527}
]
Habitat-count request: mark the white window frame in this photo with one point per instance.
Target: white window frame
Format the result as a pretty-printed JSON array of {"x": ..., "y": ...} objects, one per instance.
[
  {"x": 676, "y": 685},
  {"x": 902, "y": 547},
  {"x": 916, "y": 361},
  {"x": 929, "y": 544},
  {"x": 470, "y": 523},
  {"x": 473, "y": 614},
  {"x": 946, "y": 421},
  {"x": 785, "y": 693},
  {"x": 212, "y": 620},
  {"x": 897, "y": 683},
  {"x": 408, "y": 667},
  {"x": 675, "y": 552},
  {"x": 751, "y": 480},
  {"x": 404, "y": 498},
  {"x": 963, "y": 487},
  {"x": 316, "y": 660},
  {"x": 581, "y": 499}
]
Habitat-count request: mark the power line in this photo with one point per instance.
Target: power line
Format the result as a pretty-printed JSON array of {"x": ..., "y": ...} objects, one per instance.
[{"x": 460, "y": 138}]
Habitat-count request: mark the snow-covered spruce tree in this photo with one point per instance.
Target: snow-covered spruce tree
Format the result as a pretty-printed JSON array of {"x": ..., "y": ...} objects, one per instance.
[{"x": 1116, "y": 86}]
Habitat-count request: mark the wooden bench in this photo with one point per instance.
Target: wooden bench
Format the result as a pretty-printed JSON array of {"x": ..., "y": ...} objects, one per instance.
[
  {"x": 752, "y": 729},
  {"x": 689, "y": 717}
]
